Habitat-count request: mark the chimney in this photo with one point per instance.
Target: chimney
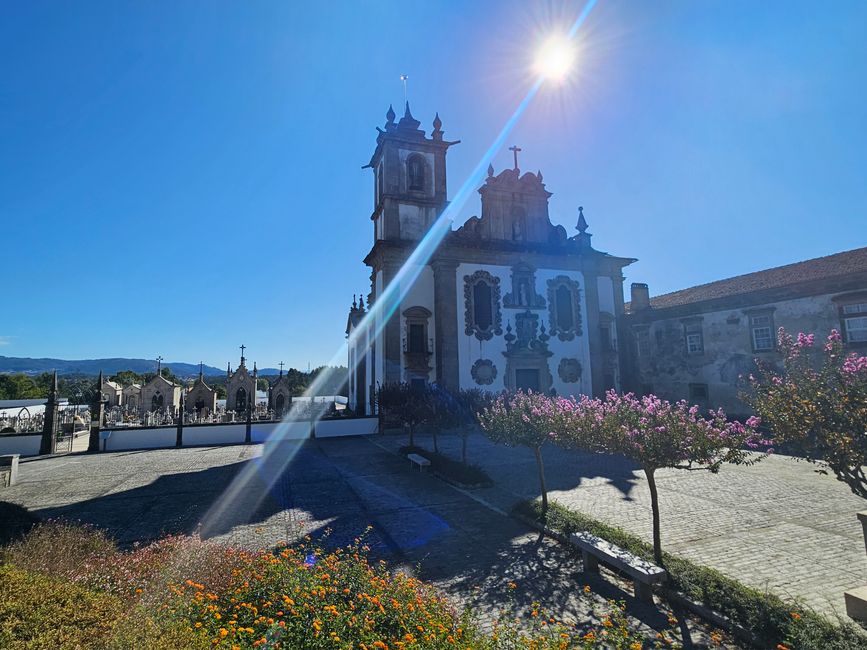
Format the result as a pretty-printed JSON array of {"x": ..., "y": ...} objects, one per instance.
[{"x": 640, "y": 296}]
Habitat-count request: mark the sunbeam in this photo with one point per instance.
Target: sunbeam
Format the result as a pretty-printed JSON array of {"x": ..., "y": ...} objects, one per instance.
[{"x": 262, "y": 475}]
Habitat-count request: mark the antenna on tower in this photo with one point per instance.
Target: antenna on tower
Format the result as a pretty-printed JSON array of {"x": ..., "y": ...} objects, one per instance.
[{"x": 404, "y": 78}]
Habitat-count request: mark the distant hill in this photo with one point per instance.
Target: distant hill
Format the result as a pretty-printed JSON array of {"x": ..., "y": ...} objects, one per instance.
[{"x": 93, "y": 366}]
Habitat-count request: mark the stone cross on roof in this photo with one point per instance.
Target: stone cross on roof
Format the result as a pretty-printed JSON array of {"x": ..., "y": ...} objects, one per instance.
[{"x": 515, "y": 149}]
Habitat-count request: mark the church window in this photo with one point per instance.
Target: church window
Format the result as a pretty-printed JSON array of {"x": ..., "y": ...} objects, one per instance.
[
  {"x": 241, "y": 400},
  {"x": 415, "y": 172},
  {"x": 564, "y": 307},
  {"x": 416, "y": 338},
  {"x": 564, "y": 312},
  {"x": 482, "y": 304},
  {"x": 157, "y": 401}
]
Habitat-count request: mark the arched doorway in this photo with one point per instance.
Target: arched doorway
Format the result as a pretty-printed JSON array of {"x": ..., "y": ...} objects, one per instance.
[
  {"x": 241, "y": 400},
  {"x": 279, "y": 405},
  {"x": 157, "y": 401}
]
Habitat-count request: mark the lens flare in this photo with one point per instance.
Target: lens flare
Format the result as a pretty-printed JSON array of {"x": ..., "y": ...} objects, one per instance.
[
  {"x": 555, "y": 58},
  {"x": 252, "y": 484}
]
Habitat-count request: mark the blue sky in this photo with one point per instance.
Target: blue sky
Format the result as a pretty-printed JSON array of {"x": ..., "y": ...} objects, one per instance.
[{"x": 178, "y": 178}]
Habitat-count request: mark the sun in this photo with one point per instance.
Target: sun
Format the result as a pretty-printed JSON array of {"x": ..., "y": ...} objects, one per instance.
[{"x": 555, "y": 58}]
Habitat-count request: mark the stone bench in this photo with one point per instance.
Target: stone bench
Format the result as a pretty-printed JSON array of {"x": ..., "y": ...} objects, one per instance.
[
  {"x": 644, "y": 574},
  {"x": 421, "y": 461}
]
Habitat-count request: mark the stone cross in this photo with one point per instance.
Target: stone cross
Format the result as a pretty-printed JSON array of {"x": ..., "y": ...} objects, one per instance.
[
  {"x": 159, "y": 363},
  {"x": 515, "y": 149},
  {"x": 281, "y": 368}
]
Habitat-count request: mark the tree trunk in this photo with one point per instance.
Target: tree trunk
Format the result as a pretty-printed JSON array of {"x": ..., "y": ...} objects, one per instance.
[
  {"x": 538, "y": 453},
  {"x": 654, "y": 505}
]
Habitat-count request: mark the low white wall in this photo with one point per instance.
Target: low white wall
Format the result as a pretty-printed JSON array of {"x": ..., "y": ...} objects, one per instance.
[
  {"x": 24, "y": 445},
  {"x": 280, "y": 431},
  {"x": 347, "y": 427},
  {"x": 227, "y": 434},
  {"x": 219, "y": 434},
  {"x": 121, "y": 439}
]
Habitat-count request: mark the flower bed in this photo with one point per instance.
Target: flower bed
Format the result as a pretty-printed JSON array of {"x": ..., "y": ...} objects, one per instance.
[{"x": 67, "y": 586}]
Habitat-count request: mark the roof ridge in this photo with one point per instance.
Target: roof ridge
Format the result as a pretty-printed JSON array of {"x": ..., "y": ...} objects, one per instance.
[{"x": 768, "y": 273}]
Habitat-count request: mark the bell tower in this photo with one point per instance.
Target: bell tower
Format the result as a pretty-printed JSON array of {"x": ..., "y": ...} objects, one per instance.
[{"x": 409, "y": 177}]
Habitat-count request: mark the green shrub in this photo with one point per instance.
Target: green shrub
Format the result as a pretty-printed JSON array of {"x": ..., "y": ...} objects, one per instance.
[
  {"x": 37, "y": 611},
  {"x": 769, "y": 618}
]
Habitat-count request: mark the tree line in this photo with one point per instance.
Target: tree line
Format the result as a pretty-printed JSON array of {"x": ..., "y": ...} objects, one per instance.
[{"x": 82, "y": 388}]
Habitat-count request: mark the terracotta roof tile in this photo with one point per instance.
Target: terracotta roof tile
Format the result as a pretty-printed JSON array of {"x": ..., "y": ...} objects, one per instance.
[{"x": 839, "y": 264}]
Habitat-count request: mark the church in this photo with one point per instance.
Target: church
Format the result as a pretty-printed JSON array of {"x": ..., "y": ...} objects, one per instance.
[{"x": 507, "y": 301}]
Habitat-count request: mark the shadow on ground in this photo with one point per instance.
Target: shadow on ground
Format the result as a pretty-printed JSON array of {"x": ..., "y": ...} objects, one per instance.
[{"x": 336, "y": 490}]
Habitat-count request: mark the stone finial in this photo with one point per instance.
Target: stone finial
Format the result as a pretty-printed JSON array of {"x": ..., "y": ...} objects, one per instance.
[
  {"x": 390, "y": 115},
  {"x": 229, "y": 369},
  {"x": 581, "y": 227},
  {"x": 354, "y": 303},
  {"x": 490, "y": 170},
  {"x": 201, "y": 369},
  {"x": 407, "y": 113},
  {"x": 361, "y": 302},
  {"x": 437, "y": 123},
  {"x": 539, "y": 175},
  {"x": 54, "y": 385}
]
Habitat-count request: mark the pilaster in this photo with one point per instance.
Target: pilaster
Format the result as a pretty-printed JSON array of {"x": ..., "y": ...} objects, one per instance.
[{"x": 446, "y": 323}]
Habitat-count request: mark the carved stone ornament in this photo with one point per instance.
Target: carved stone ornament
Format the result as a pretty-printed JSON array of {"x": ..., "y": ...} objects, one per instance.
[
  {"x": 484, "y": 372},
  {"x": 564, "y": 307},
  {"x": 484, "y": 320},
  {"x": 523, "y": 294},
  {"x": 569, "y": 370}
]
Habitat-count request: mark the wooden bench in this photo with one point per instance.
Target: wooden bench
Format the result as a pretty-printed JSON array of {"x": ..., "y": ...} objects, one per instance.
[
  {"x": 421, "y": 461},
  {"x": 644, "y": 574}
]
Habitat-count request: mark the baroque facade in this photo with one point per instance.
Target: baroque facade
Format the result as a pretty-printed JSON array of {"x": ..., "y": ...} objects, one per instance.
[
  {"x": 697, "y": 344},
  {"x": 507, "y": 300}
]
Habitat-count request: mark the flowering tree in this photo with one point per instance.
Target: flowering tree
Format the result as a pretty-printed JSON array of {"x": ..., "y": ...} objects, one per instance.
[
  {"x": 410, "y": 404},
  {"x": 655, "y": 434},
  {"x": 470, "y": 401},
  {"x": 520, "y": 419},
  {"x": 817, "y": 406}
]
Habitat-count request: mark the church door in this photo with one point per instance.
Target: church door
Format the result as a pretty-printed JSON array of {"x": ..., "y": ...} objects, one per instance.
[
  {"x": 280, "y": 404},
  {"x": 241, "y": 400},
  {"x": 527, "y": 379}
]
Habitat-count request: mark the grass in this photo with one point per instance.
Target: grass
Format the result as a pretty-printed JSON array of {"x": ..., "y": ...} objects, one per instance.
[
  {"x": 450, "y": 469},
  {"x": 66, "y": 586},
  {"x": 773, "y": 621}
]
